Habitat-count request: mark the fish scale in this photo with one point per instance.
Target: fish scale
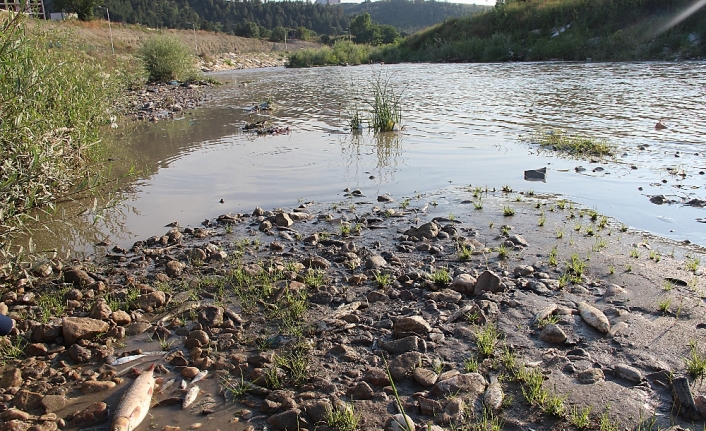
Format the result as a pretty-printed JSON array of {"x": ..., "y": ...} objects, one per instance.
[{"x": 135, "y": 402}]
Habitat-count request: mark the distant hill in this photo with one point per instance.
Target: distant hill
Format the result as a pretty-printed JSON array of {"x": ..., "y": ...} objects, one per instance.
[{"x": 410, "y": 16}]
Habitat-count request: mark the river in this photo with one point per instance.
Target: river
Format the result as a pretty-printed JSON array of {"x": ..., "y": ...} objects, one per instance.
[{"x": 462, "y": 126}]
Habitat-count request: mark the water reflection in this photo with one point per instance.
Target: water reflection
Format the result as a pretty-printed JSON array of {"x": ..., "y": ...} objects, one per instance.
[{"x": 384, "y": 148}]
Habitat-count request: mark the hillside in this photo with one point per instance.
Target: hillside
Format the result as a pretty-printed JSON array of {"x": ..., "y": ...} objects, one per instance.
[
  {"x": 410, "y": 16},
  {"x": 536, "y": 30}
]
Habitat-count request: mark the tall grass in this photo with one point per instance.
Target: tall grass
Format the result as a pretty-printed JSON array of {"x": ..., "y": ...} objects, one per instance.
[
  {"x": 53, "y": 100},
  {"x": 386, "y": 114},
  {"x": 166, "y": 58}
]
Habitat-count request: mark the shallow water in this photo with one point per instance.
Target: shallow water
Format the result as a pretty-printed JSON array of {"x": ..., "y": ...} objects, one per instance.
[{"x": 462, "y": 124}]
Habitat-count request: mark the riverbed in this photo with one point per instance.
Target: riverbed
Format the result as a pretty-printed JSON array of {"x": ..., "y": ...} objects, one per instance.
[{"x": 462, "y": 125}]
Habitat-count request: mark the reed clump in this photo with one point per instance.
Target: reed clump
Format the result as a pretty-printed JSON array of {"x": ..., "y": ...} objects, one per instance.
[{"x": 166, "y": 58}]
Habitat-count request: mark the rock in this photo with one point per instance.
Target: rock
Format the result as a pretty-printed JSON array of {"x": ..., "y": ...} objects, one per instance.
[
  {"x": 464, "y": 283},
  {"x": 137, "y": 328},
  {"x": 211, "y": 316},
  {"x": 594, "y": 317},
  {"x": 591, "y": 376},
  {"x": 375, "y": 261},
  {"x": 265, "y": 226},
  {"x": 174, "y": 268},
  {"x": 552, "y": 334},
  {"x": 361, "y": 391},
  {"x": 446, "y": 295},
  {"x": 154, "y": 299},
  {"x": 400, "y": 422},
  {"x": 12, "y": 414},
  {"x": 536, "y": 174},
  {"x": 93, "y": 386},
  {"x": 120, "y": 317},
  {"x": 628, "y": 373},
  {"x": 403, "y": 366},
  {"x": 27, "y": 400},
  {"x": 316, "y": 262},
  {"x": 53, "y": 403},
  {"x": 684, "y": 402},
  {"x": 15, "y": 425},
  {"x": 46, "y": 333},
  {"x": 289, "y": 420},
  {"x": 81, "y": 328},
  {"x": 79, "y": 354},
  {"x": 427, "y": 230},
  {"x": 658, "y": 199},
  {"x": 385, "y": 198},
  {"x": 283, "y": 220},
  {"x": 11, "y": 379},
  {"x": 613, "y": 290},
  {"x": 377, "y": 296},
  {"x": 405, "y": 326},
  {"x": 376, "y": 377},
  {"x": 317, "y": 410},
  {"x": 470, "y": 383},
  {"x": 488, "y": 281},
  {"x": 201, "y": 337},
  {"x": 523, "y": 270},
  {"x": 518, "y": 240},
  {"x": 189, "y": 372},
  {"x": 92, "y": 414},
  {"x": 78, "y": 277},
  {"x": 424, "y": 377},
  {"x": 101, "y": 310},
  {"x": 700, "y": 403},
  {"x": 402, "y": 345},
  {"x": 42, "y": 270}
]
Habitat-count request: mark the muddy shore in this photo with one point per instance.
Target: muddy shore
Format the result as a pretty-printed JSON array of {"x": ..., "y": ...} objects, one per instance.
[{"x": 482, "y": 307}]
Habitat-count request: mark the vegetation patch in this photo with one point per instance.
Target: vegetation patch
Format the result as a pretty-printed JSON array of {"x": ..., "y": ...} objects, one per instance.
[{"x": 573, "y": 145}]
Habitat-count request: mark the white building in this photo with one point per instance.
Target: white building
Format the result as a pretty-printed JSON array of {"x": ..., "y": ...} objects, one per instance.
[{"x": 328, "y": 1}]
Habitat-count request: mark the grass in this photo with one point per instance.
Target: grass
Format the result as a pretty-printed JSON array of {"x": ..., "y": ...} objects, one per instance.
[
  {"x": 11, "y": 350},
  {"x": 580, "y": 417},
  {"x": 503, "y": 251},
  {"x": 559, "y": 233},
  {"x": 314, "y": 278},
  {"x": 166, "y": 58},
  {"x": 695, "y": 363},
  {"x": 508, "y": 211},
  {"x": 573, "y": 145},
  {"x": 465, "y": 253},
  {"x": 441, "y": 276},
  {"x": 634, "y": 253},
  {"x": 470, "y": 364},
  {"x": 486, "y": 339},
  {"x": 664, "y": 305},
  {"x": 343, "y": 419},
  {"x": 553, "y": 254},
  {"x": 575, "y": 268},
  {"x": 692, "y": 264},
  {"x": 382, "y": 279},
  {"x": 478, "y": 205},
  {"x": 386, "y": 107},
  {"x": 542, "y": 220},
  {"x": 237, "y": 389}
]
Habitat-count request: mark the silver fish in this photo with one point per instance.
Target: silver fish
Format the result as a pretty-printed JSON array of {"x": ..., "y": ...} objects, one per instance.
[
  {"x": 199, "y": 376},
  {"x": 126, "y": 359},
  {"x": 183, "y": 385},
  {"x": 493, "y": 397},
  {"x": 594, "y": 317},
  {"x": 135, "y": 402},
  {"x": 166, "y": 385},
  {"x": 190, "y": 396}
]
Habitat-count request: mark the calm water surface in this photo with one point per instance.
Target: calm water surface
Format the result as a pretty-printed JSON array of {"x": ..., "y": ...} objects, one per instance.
[{"x": 462, "y": 125}]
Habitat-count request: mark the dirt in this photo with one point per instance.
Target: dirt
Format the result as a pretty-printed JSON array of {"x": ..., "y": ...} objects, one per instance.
[{"x": 375, "y": 301}]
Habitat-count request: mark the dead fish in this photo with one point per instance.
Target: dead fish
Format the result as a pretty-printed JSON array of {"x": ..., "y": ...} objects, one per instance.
[
  {"x": 544, "y": 313},
  {"x": 493, "y": 397},
  {"x": 166, "y": 385},
  {"x": 190, "y": 396},
  {"x": 135, "y": 402},
  {"x": 183, "y": 385},
  {"x": 199, "y": 376},
  {"x": 594, "y": 317},
  {"x": 126, "y": 359}
]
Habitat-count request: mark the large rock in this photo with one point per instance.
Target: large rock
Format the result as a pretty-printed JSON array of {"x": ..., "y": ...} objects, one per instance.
[
  {"x": 283, "y": 220},
  {"x": 80, "y": 328},
  {"x": 400, "y": 422},
  {"x": 53, "y": 403},
  {"x": 77, "y": 277},
  {"x": 403, "y": 345},
  {"x": 424, "y": 377},
  {"x": 11, "y": 379},
  {"x": 536, "y": 174},
  {"x": 290, "y": 420},
  {"x": 79, "y": 354},
  {"x": 406, "y": 326},
  {"x": 488, "y": 281},
  {"x": 46, "y": 333},
  {"x": 174, "y": 268},
  {"x": 464, "y": 283},
  {"x": 375, "y": 261},
  {"x": 552, "y": 334},
  {"x": 152, "y": 300},
  {"x": 27, "y": 400},
  {"x": 427, "y": 230},
  {"x": 211, "y": 316},
  {"x": 92, "y": 414},
  {"x": 361, "y": 391},
  {"x": 101, "y": 310},
  {"x": 472, "y": 383},
  {"x": 403, "y": 366}
]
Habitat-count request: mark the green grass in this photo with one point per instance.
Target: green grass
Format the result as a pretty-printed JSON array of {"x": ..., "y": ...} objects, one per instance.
[
  {"x": 508, "y": 211},
  {"x": 695, "y": 363},
  {"x": 487, "y": 338},
  {"x": 465, "y": 253},
  {"x": 503, "y": 251},
  {"x": 382, "y": 279},
  {"x": 664, "y": 305},
  {"x": 573, "y": 145},
  {"x": 441, "y": 276},
  {"x": 166, "y": 58},
  {"x": 580, "y": 417},
  {"x": 692, "y": 264},
  {"x": 11, "y": 349},
  {"x": 343, "y": 419}
]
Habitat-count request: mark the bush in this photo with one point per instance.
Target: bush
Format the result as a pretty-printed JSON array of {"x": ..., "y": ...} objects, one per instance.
[{"x": 165, "y": 58}]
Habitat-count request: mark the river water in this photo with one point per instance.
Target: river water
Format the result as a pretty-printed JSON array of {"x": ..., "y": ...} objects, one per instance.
[{"x": 462, "y": 126}]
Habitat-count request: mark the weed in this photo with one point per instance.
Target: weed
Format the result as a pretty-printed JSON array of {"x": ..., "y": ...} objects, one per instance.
[
  {"x": 667, "y": 286},
  {"x": 10, "y": 350},
  {"x": 695, "y": 363},
  {"x": 664, "y": 305},
  {"x": 505, "y": 230},
  {"x": 551, "y": 319},
  {"x": 634, "y": 253},
  {"x": 272, "y": 378},
  {"x": 692, "y": 264},
  {"x": 561, "y": 204},
  {"x": 490, "y": 225},
  {"x": 532, "y": 388},
  {"x": 553, "y": 256},
  {"x": 503, "y": 251},
  {"x": 542, "y": 220},
  {"x": 486, "y": 339},
  {"x": 575, "y": 268},
  {"x": 599, "y": 244},
  {"x": 628, "y": 268},
  {"x": 386, "y": 107},
  {"x": 654, "y": 255},
  {"x": 559, "y": 233},
  {"x": 441, "y": 276},
  {"x": 624, "y": 228},
  {"x": 382, "y": 279},
  {"x": 606, "y": 424},
  {"x": 508, "y": 211},
  {"x": 478, "y": 205},
  {"x": 314, "y": 278},
  {"x": 237, "y": 389},
  {"x": 465, "y": 253},
  {"x": 165, "y": 58},
  {"x": 577, "y": 227},
  {"x": 580, "y": 417},
  {"x": 165, "y": 344},
  {"x": 297, "y": 366},
  {"x": 344, "y": 229},
  {"x": 574, "y": 145},
  {"x": 538, "y": 205},
  {"x": 343, "y": 419},
  {"x": 611, "y": 270},
  {"x": 530, "y": 192},
  {"x": 603, "y": 223},
  {"x": 554, "y": 404},
  {"x": 589, "y": 231},
  {"x": 507, "y": 189},
  {"x": 471, "y": 364},
  {"x": 404, "y": 204}
]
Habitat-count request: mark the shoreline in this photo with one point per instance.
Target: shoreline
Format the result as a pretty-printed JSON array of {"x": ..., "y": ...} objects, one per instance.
[{"x": 303, "y": 307}]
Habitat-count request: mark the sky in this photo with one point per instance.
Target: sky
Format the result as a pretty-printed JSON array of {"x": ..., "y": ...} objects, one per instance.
[{"x": 478, "y": 2}]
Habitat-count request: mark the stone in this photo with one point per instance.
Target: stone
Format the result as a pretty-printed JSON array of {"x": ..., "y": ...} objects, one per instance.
[
  {"x": 375, "y": 261},
  {"x": 402, "y": 345},
  {"x": 361, "y": 391},
  {"x": 93, "y": 386},
  {"x": 316, "y": 262},
  {"x": 591, "y": 376},
  {"x": 53, "y": 403},
  {"x": 27, "y": 400},
  {"x": 120, "y": 317},
  {"x": 211, "y": 316},
  {"x": 403, "y": 365},
  {"x": 377, "y": 296},
  {"x": 471, "y": 383},
  {"x": 684, "y": 403},
  {"x": 81, "y": 328},
  {"x": 42, "y": 270},
  {"x": 385, "y": 198},
  {"x": 405, "y": 326},
  {"x": 15, "y": 425},
  {"x": 427, "y": 230},
  {"x": 78, "y": 277},
  {"x": 400, "y": 422},
  {"x": 464, "y": 283},
  {"x": 11, "y": 379},
  {"x": 100, "y": 311},
  {"x": 46, "y": 333},
  {"x": 137, "y": 328},
  {"x": 518, "y": 240},
  {"x": 189, "y": 372},
  {"x": 12, "y": 414},
  {"x": 700, "y": 403},
  {"x": 317, "y": 410},
  {"x": 446, "y": 295},
  {"x": 536, "y": 174},
  {"x": 488, "y": 281},
  {"x": 79, "y": 354},
  {"x": 92, "y": 414},
  {"x": 174, "y": 268},
  {"x": 283, "y": 220},
  {"x": 200, "y": 336},
  {"x": 290, "y": 420},
  {"x": 523, "y": 270},
  {"x": 152, "y": 300},
  {"x": 552, "y": 334},
  {"x": 631, "y": 374},
  {"x": 424, "y": 377},
  {"x": 376, "y": 377}
]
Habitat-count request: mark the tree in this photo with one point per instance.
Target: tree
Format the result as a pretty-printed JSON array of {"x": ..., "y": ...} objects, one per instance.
[
  {"x": 82, "y": 8},
  {"x": 278, "y": 34}
]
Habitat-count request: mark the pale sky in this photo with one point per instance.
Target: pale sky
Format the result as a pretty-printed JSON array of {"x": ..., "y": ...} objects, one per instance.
[{"x": 478, "y": 2}]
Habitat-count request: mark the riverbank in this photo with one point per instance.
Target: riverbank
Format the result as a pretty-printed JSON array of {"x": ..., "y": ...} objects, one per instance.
[{"x": 304, "y": 311}]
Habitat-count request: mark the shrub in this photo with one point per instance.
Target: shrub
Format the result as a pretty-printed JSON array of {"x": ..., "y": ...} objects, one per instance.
[{"x": 165, "y": 58}]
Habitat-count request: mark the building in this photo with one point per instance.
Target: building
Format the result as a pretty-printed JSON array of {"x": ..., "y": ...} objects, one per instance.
[
  {"x": 33, "y": 8},
  {"x": 328, "y": 1}
]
